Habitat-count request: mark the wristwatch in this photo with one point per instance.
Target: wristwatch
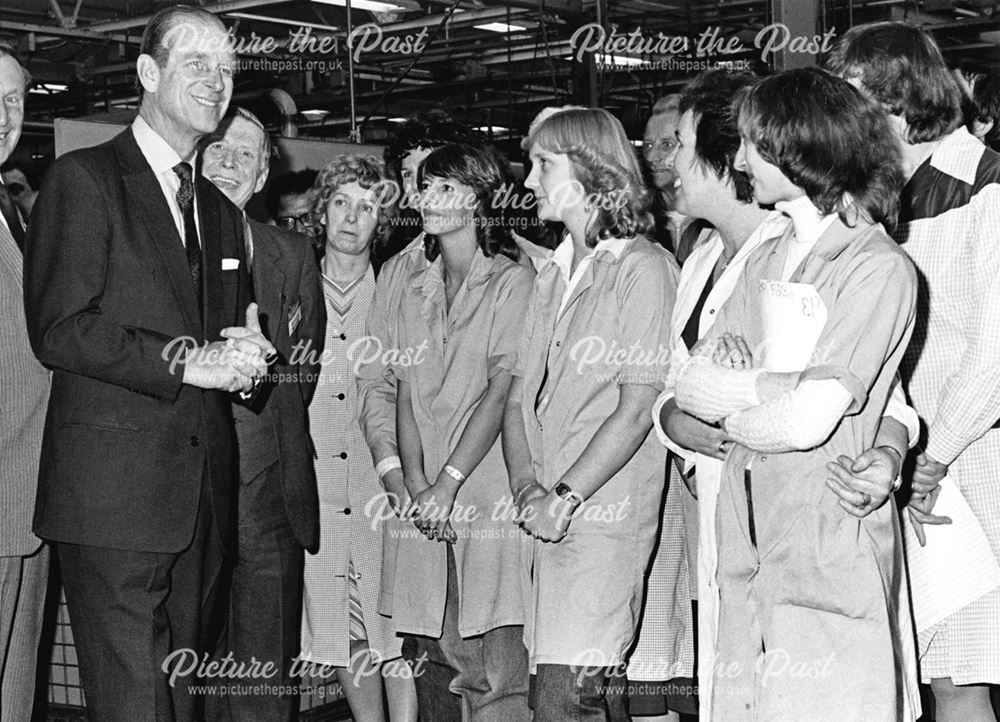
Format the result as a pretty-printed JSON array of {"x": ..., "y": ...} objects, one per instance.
[{"x": 564, "y": 492}]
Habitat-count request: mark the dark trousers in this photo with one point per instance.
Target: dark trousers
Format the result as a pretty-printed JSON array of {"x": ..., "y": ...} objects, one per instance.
[
  {"x": 573, "y": 694},
  {"x": 490, "y": 670},
  {"x": 265, "y": 608},
  {"x": 130, "y": 610}
]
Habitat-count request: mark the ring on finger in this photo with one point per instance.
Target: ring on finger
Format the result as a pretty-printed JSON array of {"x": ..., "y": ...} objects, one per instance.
[{"x": 866, "y": 499}]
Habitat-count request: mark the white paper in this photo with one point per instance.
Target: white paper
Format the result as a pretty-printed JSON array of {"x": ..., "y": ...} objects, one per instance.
[
  {"x": 956, "y": 567},
  {"x": 793, "y": 316}
]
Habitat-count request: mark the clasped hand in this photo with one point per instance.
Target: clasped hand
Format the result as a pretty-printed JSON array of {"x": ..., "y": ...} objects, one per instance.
[
  {"x": 544, "y": 515},
  {"x": 431, "y": 507},
  {"x": 237, "y": 363}
]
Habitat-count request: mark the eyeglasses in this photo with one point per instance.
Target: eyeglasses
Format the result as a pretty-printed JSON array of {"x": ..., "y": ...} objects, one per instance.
[
  {"x": 664, "y": 146},
  {"x": 290, "y": 223}
]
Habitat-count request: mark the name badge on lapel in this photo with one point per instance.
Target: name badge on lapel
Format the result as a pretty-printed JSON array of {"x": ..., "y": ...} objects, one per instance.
[{"x": 294, "y": 317}]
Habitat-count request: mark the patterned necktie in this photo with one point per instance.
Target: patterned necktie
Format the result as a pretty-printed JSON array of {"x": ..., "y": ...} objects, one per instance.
[
  {"x": 185, "y": 199},
  {"x": 9, "y": 211}
]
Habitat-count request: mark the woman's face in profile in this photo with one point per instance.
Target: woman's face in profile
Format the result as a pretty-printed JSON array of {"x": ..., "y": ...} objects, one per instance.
[{"x": 559, "y": 194}]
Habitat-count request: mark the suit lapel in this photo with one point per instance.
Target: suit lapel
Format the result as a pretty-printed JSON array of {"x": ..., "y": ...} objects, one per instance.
[
  {"x": 269, "y": 285},
  {"x": 143, "y": 191},
  {"x": 10, "y": 256}
]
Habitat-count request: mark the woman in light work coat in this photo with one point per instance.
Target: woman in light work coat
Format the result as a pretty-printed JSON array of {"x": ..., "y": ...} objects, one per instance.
[
  {"x": 709, "y": 187},
  {"x": 457, "y": 588},
  {"x": 811, "y": 623},
  {"x": 586, "y": 471}
]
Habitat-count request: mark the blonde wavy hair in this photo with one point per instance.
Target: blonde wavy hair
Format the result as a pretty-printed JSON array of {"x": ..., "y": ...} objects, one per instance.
[{"x": 605, "y": 164}]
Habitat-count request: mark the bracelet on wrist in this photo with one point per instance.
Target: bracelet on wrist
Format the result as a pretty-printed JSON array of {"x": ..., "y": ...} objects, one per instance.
[
  {"x": 893, "y": 450},
  {"x": 454, "y": 473},
  {"x": 519, "y": 496},
  {"x": 899, "y": 476},
  {"x": 387, "y": 464}
]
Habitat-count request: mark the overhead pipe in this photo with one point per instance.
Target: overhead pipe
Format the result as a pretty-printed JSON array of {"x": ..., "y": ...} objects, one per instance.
[
  {"x": 287, "y": 110},
  {"x": 222, "y": 7}
]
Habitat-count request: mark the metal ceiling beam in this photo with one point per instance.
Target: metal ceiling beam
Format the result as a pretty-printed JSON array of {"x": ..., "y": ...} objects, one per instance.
[
  {"x": 223, "y": 7},
  {"x": 55, "y": 31}
]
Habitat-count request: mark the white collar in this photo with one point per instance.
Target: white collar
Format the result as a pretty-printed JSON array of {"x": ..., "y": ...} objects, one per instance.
[
  {"x": 562, "y": 256},
  {"x": 958, "y": 155},
  {"x": 158, "y": 153}
]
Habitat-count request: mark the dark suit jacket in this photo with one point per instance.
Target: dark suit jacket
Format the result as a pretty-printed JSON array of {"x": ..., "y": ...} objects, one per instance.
[
  {"x": 276, "y": 429},
  {"x": 107, "y": 292}
]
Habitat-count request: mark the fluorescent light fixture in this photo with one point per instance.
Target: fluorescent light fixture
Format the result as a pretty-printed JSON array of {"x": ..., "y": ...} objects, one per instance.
[
  {"x": 614, "y": 61},
  {"x": 494, "y": 129},
  {"x": 315, "y": 114},
  {"x": 373, "y": 5},
  {"x": 48, "y": 88},
  {"x": 500, "y": 28},
  {"x": 618, "y": 61},
  {"x": 399, "y": 119},
  {"x": 282, "y": 21}
]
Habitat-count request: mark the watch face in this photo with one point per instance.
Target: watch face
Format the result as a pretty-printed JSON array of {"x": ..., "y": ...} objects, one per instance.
[{"x": 563, "y": 489}]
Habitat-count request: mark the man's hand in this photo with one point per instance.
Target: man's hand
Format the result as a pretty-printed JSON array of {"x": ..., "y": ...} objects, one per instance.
[
  {"x": 547, "y": 517},
  {"x": 865, "y": 483},
  {"x": 234, "y": 364},
  {"x": 919, "y": 509},
  {"x": 927, "y": 474}
]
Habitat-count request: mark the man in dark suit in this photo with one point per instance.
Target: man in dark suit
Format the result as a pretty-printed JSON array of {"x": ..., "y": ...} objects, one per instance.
[
  {"x": 278, "y": 506},
  {"x": 130, "y": 263},
  {"x": 24, "y": 393}
]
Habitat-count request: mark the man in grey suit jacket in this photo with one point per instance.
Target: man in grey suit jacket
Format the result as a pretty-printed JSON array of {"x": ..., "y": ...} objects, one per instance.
[
  {"x": 277, "y": 500},
  {"x": 24, "y": 394}
]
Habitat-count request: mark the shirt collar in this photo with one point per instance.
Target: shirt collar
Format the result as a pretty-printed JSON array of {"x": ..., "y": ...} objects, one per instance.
[
  {"x": 562, "y": 256},
  {"x": 958, "y": 155},
  {"x": 158, "y": 153},
  {"x": 431, "y": 278}
]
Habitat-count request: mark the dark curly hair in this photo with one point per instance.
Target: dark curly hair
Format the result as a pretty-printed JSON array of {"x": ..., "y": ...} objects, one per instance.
[
  {"x": 901, "y": 67},
  {"x": 429, "y": 129},
  {"x": 828, "y": 139},
  {"x": 709, "y": 97},
  {"x": 605, "y": 164},
  {"x": 486, "y": 173}
]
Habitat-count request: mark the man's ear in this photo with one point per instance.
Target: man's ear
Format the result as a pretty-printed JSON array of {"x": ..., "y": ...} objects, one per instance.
[
  {"x": 148, "y": 72},
  {"x": 261, "y": 181},
  {"x": 981, "y": 128}
]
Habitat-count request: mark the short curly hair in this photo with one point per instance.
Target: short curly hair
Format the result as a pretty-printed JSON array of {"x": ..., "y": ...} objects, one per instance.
[
  {"x": 605, "y": 164},
  {"x": 369, "y": 173}
]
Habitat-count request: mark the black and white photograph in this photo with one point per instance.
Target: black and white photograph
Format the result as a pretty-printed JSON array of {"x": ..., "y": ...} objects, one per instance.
[{"x": 500, "y": 360}]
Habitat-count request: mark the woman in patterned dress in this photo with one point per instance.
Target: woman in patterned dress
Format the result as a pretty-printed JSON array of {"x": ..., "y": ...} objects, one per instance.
[{"x": 340, "y": 625}]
